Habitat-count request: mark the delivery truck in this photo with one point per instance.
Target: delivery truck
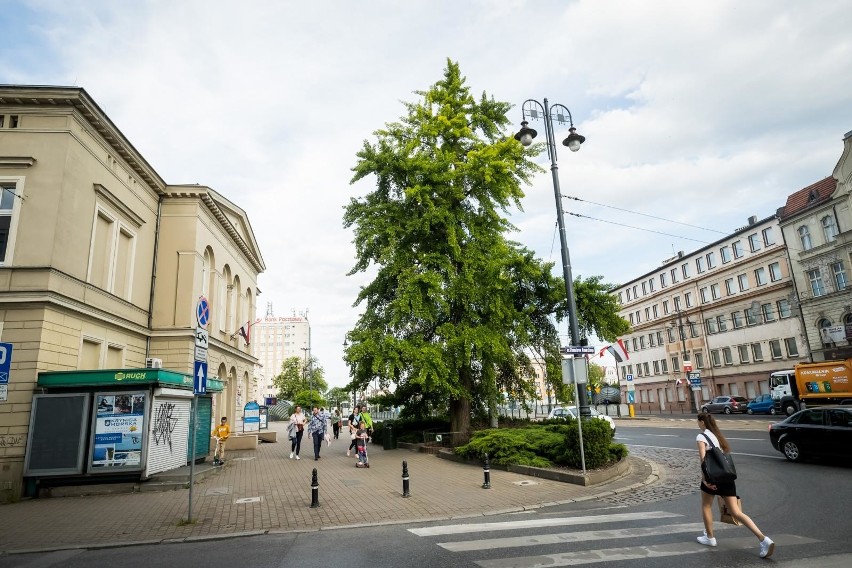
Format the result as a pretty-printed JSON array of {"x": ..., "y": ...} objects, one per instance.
[{"x": 811, "y": 384}]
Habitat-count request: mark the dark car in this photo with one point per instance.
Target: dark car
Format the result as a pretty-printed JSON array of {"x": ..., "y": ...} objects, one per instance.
[
  {"x": 726, "y": 404},
  {"x": 824, "y": 431},
  {"x": 761, "y": 404}
]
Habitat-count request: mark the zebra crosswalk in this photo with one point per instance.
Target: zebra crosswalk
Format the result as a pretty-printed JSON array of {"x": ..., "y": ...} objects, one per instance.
[{"x": 598, "y": 538}]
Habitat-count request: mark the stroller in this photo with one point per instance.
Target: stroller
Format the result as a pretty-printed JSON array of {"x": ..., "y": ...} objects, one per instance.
[{"x": 366, "y": 462}]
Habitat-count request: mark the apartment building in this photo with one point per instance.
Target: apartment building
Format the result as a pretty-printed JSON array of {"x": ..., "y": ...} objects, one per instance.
[
  {"x": 102, "y": 262},
  {"x": 817, "y": 226},
  {"x": 276, "y": 339},
  {"x": 726, "y": 309}
]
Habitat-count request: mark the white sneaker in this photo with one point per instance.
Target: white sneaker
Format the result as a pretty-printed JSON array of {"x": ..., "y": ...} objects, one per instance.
[
  {"x": 298, "y": 458},
  {"x": 767, "y": 547},
  {"x": 706, "y": 541},
  {"x": 348, "y": 453},
  {"x": 291, "y": 455}
]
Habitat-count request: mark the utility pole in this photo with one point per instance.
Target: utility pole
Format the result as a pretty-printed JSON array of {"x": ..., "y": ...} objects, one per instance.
[{"x": 690, "y": 396}]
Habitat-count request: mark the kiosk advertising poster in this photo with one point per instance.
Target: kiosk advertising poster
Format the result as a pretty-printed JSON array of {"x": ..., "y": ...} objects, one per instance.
[{"x": 119, "y": 430}]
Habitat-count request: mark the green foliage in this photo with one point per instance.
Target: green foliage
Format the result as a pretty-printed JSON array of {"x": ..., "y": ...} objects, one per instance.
[
  {"x": 297, "y": 375},
  {"x": 597, "y": 309},
  {"x": 454, "y": 305},
  {"x": 547, "y": 444},
  {"x": 336, "y": 396},
  {"x": 307, "y": 400}
]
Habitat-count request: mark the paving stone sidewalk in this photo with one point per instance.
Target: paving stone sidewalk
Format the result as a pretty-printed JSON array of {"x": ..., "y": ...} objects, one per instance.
[{"x": 263, "y": 491}]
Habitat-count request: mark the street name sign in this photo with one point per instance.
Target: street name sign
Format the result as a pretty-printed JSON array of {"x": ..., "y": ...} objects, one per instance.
[{"x": 577, "y": 350}]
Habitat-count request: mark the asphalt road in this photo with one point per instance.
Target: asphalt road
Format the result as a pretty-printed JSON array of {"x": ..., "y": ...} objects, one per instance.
[{"x": 804, "y": 507}]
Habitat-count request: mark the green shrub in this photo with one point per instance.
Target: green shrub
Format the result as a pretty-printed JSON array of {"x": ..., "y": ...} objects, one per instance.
[{"x": 554, "y": 443}]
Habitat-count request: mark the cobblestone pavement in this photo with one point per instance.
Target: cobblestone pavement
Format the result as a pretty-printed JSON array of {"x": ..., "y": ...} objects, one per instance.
[{"x": 678, "y": 477}]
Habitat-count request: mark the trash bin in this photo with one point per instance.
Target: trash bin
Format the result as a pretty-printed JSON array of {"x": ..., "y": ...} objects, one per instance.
[{"x": 388, "y": 436}]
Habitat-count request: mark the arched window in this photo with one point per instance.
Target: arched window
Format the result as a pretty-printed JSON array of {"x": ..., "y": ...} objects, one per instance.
[
  {"x": 805, "y": 237},
  {"x": 829, "y": 228},
  {"x": 238, "y": 305}
]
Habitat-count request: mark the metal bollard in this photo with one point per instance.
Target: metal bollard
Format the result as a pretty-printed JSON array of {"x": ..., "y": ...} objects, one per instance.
[
  {"x": 314, "y": 490},
  {"x": 405, "y": 492},
  {"x": 486, "y": 470}
]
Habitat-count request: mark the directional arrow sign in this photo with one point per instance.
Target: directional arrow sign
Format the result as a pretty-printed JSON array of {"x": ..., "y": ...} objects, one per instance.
[{"x": 199, "y": 383}]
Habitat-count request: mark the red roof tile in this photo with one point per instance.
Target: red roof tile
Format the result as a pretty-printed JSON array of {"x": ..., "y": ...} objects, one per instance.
[{"x": 808, "y": 196}]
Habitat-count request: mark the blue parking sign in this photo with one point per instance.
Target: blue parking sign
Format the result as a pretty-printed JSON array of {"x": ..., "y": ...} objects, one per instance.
[{"x": 5, "y": 362}]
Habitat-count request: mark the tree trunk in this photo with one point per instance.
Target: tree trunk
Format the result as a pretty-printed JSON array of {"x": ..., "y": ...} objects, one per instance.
[{"x": 460, "y": 411}]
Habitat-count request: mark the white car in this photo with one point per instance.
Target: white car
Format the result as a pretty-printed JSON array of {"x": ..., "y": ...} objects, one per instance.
[{"x": 566, "y": 411}]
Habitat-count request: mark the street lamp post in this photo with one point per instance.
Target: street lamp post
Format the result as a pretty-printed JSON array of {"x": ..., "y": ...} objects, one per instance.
[
  {"x": 692, "y": 408},
  {"x": 531, "y": 108},
  {"x": 310, "y": 375}
]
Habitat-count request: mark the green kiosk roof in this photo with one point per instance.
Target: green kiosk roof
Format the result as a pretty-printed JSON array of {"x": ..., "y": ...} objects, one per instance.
[{"x": 122, "y": 378}]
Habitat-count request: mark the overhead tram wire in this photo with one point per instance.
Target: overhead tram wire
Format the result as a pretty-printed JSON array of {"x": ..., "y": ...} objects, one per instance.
[
  {"x": 645, "y": 215},
  {"x": 637, "y": 228}
]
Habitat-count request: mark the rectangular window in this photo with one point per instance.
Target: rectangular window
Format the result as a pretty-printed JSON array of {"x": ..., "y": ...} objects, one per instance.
[
  {"x": 775, "y": 348},
  {"x": 635, "y": 291},
  {"x": 638, "y": 317},
  {"x": 775, "y": 271},
  {"x": 737, "y": 320},
  {"x": 752, "y": 316},
  {"x": 743, "y": 353},
  {"x": 628, "y": 294},
  {"x": 768, "y": 238},
  {"x": 817, "y": 285},
  {"x": 644, "y": 288},
  {"x": 714, "y": 290},
  {"x": 723, "y": 325},
  {"x": 90, "y": 354},
  {"x": 715, "y": 357},
  {"x": 725, "y": 253},
  {"x": 756, "y": 352},
  {"x": 651, "y": 284},
  {"x": 693, "y": 329},
  {"x": 699, "y": 359},
  {"x": 699, "y": 264},
  {"x": 663, "y": 282},
  {"x": 841, "y": 281},
  {"x": 8, "y": 191},
  {"x": 670, "y": 333},
  {"x": 665, "y": 307},
  {"x": 768, "y": 311},
  {"x": 621, "y": 297},
  {"x": 674, "y": 275},
  {"x": 656, "y": 367},
  {"x": 652, "y": 340},
  {"x": 726, "y": 355},
  {"x": 742, "y": 280},
  {"x": 687, "y": 298},
  {"x": 102, "y": 251},
  {"x": 677, "y": 303},
  {"x": 784, "y": 310},
  {"x": 705, "y": 295},
  {"x": 642, "y": 342},
  {"x": 684, "y": 268},
  {"x": 656, "y": 310},
  {"x": 675, "y": 364},
  {"x": 792, "y": 348},
  {"x": 659, "y": 338},
  {"x": 738, "y": 249},
  {"x": 635, "y": 344},
  {"x": 630, "y": 315},
  {"x": 645, "y": 366},
  {"x": 711, "y": 260},
  {"x": 760, "y": 276},
  {"x": 647, "y": 314},
  {"x": 114, "y": 357},
  {"x": 664, "y": 365},
  {"x": 730, "y": 290},
  {"x": 754, "y": 242}
]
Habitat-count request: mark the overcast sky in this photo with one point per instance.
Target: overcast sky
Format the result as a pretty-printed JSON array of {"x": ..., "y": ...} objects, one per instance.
[{"x": 703, "y": 112}]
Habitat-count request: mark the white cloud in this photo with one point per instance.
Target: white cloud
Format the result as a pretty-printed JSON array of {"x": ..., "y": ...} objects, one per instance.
[{"x": 705, "y": 112}]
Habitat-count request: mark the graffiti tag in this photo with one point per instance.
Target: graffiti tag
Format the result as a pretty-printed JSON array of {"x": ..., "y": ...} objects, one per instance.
[{"x": 164, "y": 424}]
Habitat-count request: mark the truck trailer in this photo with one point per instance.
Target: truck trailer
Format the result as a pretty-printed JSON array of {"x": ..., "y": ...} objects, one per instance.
[{"x": 811, "y": 384}]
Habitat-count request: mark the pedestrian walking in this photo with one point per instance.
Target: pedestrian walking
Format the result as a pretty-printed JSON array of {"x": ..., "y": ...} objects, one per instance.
[
  {"x": 222, "y": 432},
  {"x": 316, "y": 429},
  {"x": 336, "y": 421},
  {"x": 361, "y": 444},
  {"x": 295, "y": 431},
  {"x": 709, "y": 437},
  {"x": 354, "y": 419},
  {"x": 326, "y": 415}
]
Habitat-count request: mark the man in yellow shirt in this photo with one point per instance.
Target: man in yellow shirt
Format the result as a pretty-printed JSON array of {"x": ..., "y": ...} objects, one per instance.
[{"x": 221, "y": 433}]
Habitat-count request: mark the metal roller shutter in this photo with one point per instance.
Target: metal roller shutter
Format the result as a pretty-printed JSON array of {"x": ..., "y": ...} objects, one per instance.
[{"x": 168, "y": 442}]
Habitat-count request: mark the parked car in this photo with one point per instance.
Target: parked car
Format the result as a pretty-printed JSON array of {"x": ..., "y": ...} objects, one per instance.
[
  {"x": 761, "y": 404},
  {"x": 824, "y": 431},
  {"x": 571, "y": 412},
  {"x": 726, "y": 404}
]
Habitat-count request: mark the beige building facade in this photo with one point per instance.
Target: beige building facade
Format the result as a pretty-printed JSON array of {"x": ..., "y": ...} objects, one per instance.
[
  {"x": 103, "y": 262},
  {"x": 725, "y": 308},
  {"x": 817, "y": 225},
  {"x": 275, "y": 339}
]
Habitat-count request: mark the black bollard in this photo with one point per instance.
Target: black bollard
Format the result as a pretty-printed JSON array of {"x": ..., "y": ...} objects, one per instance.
[
  {"x": 314, "y": 490},
  {"x": 486, "y": 470},
  {"x": 405, "y": 492}
]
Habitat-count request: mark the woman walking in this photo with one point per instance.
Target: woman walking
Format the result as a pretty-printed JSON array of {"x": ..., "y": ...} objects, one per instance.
[
  {"x": 297, "y": 427},
  {"x": 709, "y": 437}
]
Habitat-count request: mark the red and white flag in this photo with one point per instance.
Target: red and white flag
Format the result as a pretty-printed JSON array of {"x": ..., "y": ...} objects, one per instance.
[{"x": 618, "y": 351}]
